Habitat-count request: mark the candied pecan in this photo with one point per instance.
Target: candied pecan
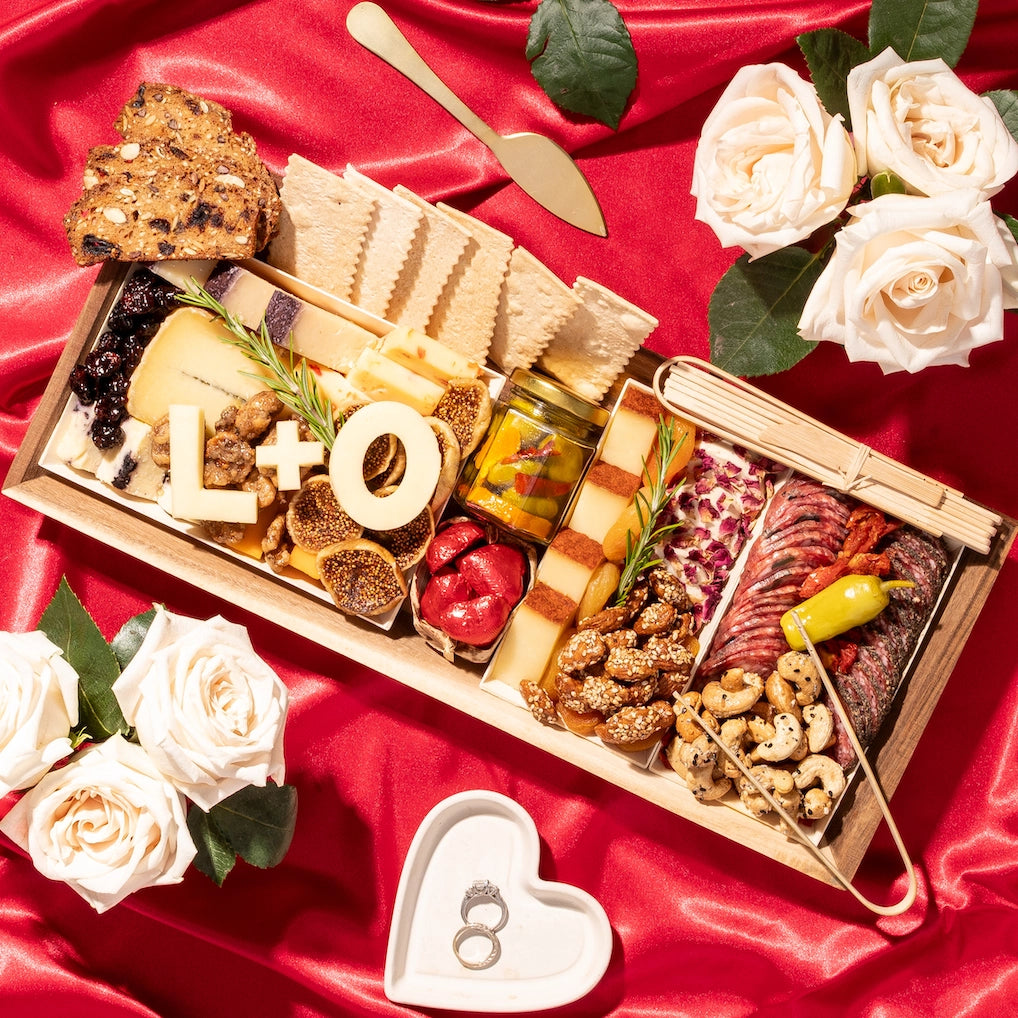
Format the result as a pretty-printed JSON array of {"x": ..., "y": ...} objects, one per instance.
[
  {"x": 620, "y": 638},
  {"x": 605, "y": 621},
  {"x": 637, "y": 727},
  {"x": 161, "y": 441},
  {"x": 606, "y": 695},
  {"x": 227, "y": 417},
  {"x": 228, "y": 459},
  {"x": 582, "y": 650},
  {"x": 224, "y": 533},
  {"x": 668, "y": 587},
  {"x": 655, "y": 619},
  {"x": 629, "y": 664},
  {"x": 262, "y": 485},
  {"x": 258, "y": 414},
  {"x": 539, "y": 702},
  {"x": 276, "y": 545}
]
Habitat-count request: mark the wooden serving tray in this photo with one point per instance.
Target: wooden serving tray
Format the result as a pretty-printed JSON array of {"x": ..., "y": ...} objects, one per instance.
[{"x": 401, "y": 654}]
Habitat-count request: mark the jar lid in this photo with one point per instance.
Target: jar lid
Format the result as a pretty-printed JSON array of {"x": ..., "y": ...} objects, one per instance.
[{"x": 551, "y": 392}]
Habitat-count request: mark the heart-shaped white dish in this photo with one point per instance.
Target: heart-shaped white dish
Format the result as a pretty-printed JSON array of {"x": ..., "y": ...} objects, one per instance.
[{"x": 556, "y": 944}]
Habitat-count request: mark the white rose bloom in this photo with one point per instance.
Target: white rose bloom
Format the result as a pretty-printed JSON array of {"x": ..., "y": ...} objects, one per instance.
[
  {"x": 38, "y": 708},
  {"x": 771, "y": 166},
  {"x": 916, "y": 281},
  {"x": 920, "y": 122},
  {"x": 107, "y": 824},
  {"x": 207, "y": 709}
]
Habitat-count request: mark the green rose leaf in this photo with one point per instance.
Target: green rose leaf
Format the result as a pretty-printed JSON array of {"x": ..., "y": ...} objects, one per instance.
[
  {"x": 67, "y": 624},
  {"x": 132, "y": 633},
  {"x": 922, "y": 29},
  {"x": 830, "y": 54},
  {"x": 755, "y": 309},
  {"x": 1006, "y": 101},
  {"x": 258, "y": 821},
  {"x": 216, "y": 856},
  {"x": 582, "y": 56},
  {"x": 1012, "y": 225},
  {"x": 886, "y": 182}
]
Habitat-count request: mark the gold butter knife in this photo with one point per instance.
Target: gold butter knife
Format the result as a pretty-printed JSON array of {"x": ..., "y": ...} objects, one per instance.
[{"x": 541, "y": 167}]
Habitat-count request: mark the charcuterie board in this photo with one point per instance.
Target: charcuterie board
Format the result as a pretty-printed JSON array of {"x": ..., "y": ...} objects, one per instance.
[{"x": 400, "y": 653}]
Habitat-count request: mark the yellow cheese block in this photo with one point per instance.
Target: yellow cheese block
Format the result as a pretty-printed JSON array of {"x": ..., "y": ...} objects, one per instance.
[
  {"x": 426, "y": 356},
  {"x": 384, "y": 379},
  {"x": 189, "y": 361},
  {"x": 337, "y": 389},
  {"x": 533, "y": 635},
  {"x": 604, "y": 493},
  {"x": 305, "y": 561},
  {"x": 631, "y": 432},
  {"x": 569, "y": 562}
]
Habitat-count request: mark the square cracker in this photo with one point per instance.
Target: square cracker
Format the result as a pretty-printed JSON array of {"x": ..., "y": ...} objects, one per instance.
[
  {"x": 394, "y": 225},
  {"x": 533, "y": 306},
  {"x": 437, "y": 248},
  {"x": 464, "y": 317},
  {"x": 591, "y": 349},
  {"x": 322, "y": 227}
]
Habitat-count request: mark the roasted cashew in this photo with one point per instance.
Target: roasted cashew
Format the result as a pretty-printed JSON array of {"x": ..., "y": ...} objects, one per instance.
[
  {"x": 781, "y": 695},
  {"x": 785, "y": 741},
  {"x": 735, "y": 693},
  {"x": 734, "y": 733},
  {"x": 816, "y": 804},
  {"x": 819, "y": 726},
  {"x": 759, "y": 729},
  {"x": 826, "y": 771},
  {"x": 687, "y": 728},
  {"x": 778, "y": 782},
  {"x": 696, "y": 764},
  {"x": 797, "y": 667}
]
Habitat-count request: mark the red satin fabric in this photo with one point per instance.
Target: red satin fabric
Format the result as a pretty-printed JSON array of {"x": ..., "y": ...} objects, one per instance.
[{"x": 702, "y": 926}]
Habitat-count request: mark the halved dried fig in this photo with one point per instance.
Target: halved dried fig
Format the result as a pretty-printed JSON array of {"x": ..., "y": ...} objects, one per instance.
[
  {"x": 315, "y": 518},
  {"x": 361, "y": 576}
]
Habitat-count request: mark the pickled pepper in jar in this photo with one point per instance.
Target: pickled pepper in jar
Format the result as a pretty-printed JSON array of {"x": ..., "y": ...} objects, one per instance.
[{"x": 539, "y": 443}]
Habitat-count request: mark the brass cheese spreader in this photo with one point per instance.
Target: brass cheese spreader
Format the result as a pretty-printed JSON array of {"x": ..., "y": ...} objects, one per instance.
[{"x": 541, "y": 167}]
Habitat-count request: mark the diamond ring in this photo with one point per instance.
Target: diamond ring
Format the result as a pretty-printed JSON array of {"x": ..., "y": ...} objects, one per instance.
[{"x": 482, "y": 892}]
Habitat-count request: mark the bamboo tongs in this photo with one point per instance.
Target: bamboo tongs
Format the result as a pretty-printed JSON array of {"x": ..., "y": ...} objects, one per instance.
[{"x": 731, "y": 408}]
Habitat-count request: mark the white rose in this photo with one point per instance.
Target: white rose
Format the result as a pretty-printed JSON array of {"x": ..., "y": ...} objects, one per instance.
[
  {"x": 207, "y": 709},
  {"x": 920, "y": 122},
  {"x": 38, "y": 708},
  {"x": 916, "y": 281},
  {"x": 107, "y": 824},
  {"x": 771, "y": 165}
]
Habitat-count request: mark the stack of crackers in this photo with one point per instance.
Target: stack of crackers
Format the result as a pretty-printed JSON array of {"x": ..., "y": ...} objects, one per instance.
[{"x": 447, "y": 274}]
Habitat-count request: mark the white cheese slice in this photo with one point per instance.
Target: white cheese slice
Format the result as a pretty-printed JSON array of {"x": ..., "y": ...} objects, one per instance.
[
  {"x": 189, "y": 498},
  {"x": 182, "y": 273},
  {"x": 73, "y": 443},
  {"x": 189, "y": 361},
  {"x": 130, "y": 467},
  {"x": 383, "y": 379},
  {"x": 288, "y": 455}
]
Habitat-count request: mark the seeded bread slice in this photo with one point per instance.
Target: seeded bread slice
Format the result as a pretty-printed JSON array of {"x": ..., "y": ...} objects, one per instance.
[
  {"x": 591, "y": 349},
  {"x": 182, "y": 184},
  {"x": 533, "y": 306}
]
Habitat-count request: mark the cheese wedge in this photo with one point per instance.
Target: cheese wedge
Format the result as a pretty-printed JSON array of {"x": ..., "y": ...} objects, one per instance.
[
  {"x": 130, "y": 467},
  {"x": 292, "y": 323},
  {"x": 426, "y": 356},
  {"x": 383, "y": 379},
  {"x": 604, "y": 493},
  {"x": 632, "y": 430},
  {"x": 190, "y": 361},
  {"x": 569, "y": 562}
]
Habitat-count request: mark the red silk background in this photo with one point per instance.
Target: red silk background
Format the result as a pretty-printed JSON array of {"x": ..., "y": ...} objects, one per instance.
[{"x": 701, "y": 925}]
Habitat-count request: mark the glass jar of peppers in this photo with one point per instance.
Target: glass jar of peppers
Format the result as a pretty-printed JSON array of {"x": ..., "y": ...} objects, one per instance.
[{"x": 539, "y": 443}]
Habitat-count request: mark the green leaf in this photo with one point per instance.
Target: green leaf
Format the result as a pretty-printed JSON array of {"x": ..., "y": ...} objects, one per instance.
[
  {"x": 755, "y": 309},
  {"x": 830, "y": 54},
  {"x": 216, "y": 856},
  {"x": 922, "y": 29},
  {"x": 1012, "y": 225},
  {"x": 67, "y": 624},
  {"x": 1006, "y": 101},
  {"x": 886, "y": 182},
  {"x": 583, "y": 58},
  {"x": 258, "y": 821},
  {"x": 126, "y": 643}
]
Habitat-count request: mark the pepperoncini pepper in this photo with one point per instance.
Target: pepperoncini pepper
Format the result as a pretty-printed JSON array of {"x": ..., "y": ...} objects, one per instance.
[{"x": 848, "y": 602}]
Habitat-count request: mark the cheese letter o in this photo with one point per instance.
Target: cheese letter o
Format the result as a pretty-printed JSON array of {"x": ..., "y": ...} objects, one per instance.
[{"x": 346, "y": 465}]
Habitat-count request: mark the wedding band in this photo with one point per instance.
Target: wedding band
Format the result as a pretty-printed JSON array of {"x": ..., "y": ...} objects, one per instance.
[
  {"x": 464, "y": 933},
  {"x": 481, "y": 892}
]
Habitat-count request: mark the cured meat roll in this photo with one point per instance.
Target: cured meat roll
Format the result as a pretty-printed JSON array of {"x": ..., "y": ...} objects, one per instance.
[{"x": 804, "y": 528}]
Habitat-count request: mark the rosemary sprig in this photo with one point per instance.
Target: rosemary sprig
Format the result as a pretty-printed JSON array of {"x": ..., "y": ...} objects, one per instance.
[
  {"x": 640, "y": 553},
  {"x": 295, "y": 384}
]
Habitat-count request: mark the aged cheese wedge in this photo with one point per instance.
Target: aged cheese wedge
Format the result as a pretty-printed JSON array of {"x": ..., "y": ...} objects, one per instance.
[
  {"x": 380, "y": 378},
  {"x": 533, "y": 634},
  {"x": 337, "y": 389},
  {"x": 189, "y": 498},
  {"x": 632, "y": 431},
  {"x": 130, "y": 467},
  {"x": 292, "y": 323},
  {"x": 189, "y": 361},
  {"x": 423, "y": 465},
  {"x": 569, "y": 562},
  {"x": 182, "y": 273},
  {"x": 426, "y": 356},
  {"x": 604, "y": 493}
]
